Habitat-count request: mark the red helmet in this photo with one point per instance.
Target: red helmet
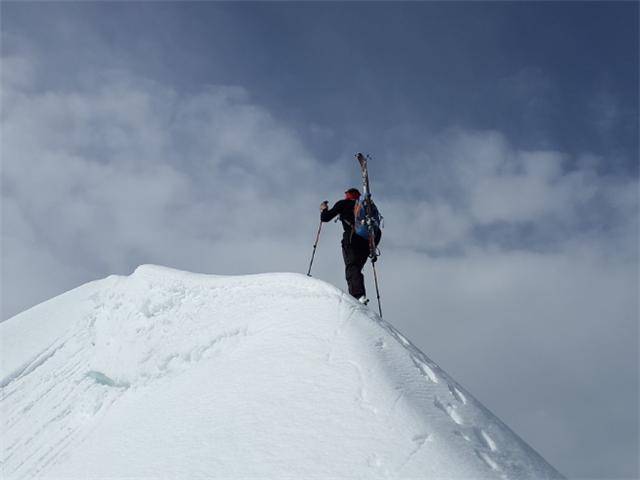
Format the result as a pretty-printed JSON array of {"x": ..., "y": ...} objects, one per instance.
[{"x": 352, "y": 194}]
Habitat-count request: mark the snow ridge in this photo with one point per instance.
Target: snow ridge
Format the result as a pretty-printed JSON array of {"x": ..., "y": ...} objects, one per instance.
[{"x": 172, "y": 374}]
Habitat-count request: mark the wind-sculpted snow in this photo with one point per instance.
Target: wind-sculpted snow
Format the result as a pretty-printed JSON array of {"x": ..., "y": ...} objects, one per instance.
[{"x": 177, "y": 375}]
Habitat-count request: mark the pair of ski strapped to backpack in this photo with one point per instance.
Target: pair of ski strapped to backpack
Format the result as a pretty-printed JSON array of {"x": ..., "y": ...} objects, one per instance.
[
  {"x": 368, "y": 220},
  {"x": 372, "y": 220}
]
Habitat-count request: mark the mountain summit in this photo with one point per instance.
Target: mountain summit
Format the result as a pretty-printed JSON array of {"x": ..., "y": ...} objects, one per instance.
[{"x": 177, "y": 375}]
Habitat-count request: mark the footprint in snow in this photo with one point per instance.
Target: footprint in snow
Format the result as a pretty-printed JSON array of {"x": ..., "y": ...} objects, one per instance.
[
  {"x": 425, "y": 369},
  {"x": 374, "y": 461},
  {"x": 484, "y": 438},
  {"x": 102, "y": 379},
  {"x": 449, "y": 409},
  {"x": 486, "y": 458},
  {"x": 463, "y": 435},
  {"x": 420, "y": 439},
  {"x": 402, "y": 339},
  {"x": 457, "y": 394}
]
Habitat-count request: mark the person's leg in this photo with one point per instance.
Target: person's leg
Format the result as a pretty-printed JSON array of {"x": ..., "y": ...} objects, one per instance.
[
  {"x": 353, "y": 264},
  {"x": 361, "y": 257}
]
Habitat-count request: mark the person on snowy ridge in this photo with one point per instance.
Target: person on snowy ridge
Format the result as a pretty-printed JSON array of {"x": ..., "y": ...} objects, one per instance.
[{"x": 355, "y": 248}]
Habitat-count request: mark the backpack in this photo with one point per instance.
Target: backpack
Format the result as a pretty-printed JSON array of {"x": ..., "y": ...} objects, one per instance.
[{"x": 360, "y": 216}]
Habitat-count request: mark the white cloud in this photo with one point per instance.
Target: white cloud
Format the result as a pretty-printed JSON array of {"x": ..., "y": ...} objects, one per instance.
[
  {"x": 131, "y": 170},
  {"x": 462, "y": 189},
  {"x": 531, "y": 189},
  {"x": 424, "y": 225}
]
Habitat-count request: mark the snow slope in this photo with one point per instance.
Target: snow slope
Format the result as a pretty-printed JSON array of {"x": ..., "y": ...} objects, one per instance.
[{"x": 178, "y": 375}]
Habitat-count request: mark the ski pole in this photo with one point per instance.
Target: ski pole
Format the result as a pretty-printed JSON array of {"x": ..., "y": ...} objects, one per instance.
[
  {"x": 375, "y": 279},
  {"x": 314, "y": 249}
]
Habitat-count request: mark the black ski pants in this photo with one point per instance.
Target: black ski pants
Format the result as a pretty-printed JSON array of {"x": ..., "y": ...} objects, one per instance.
[{"x": 355, "y": 254}]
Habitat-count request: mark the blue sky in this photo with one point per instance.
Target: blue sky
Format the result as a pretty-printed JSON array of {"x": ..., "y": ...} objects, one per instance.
[{"x": 203, "y": 136}]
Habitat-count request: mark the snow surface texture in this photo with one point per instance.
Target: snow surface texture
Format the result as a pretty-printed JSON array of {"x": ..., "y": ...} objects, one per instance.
[{"x": 178, "y": 375}]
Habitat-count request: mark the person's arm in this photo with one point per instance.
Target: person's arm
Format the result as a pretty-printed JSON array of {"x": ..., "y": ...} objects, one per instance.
[{"x": 328, "y": 214}]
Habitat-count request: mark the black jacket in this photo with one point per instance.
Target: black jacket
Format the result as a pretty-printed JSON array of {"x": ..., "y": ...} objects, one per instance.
[{"x": 344, "y": 208}]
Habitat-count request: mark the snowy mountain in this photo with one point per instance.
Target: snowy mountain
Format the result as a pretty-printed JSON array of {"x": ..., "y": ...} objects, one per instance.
[{"x": 178, "y": 375}]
